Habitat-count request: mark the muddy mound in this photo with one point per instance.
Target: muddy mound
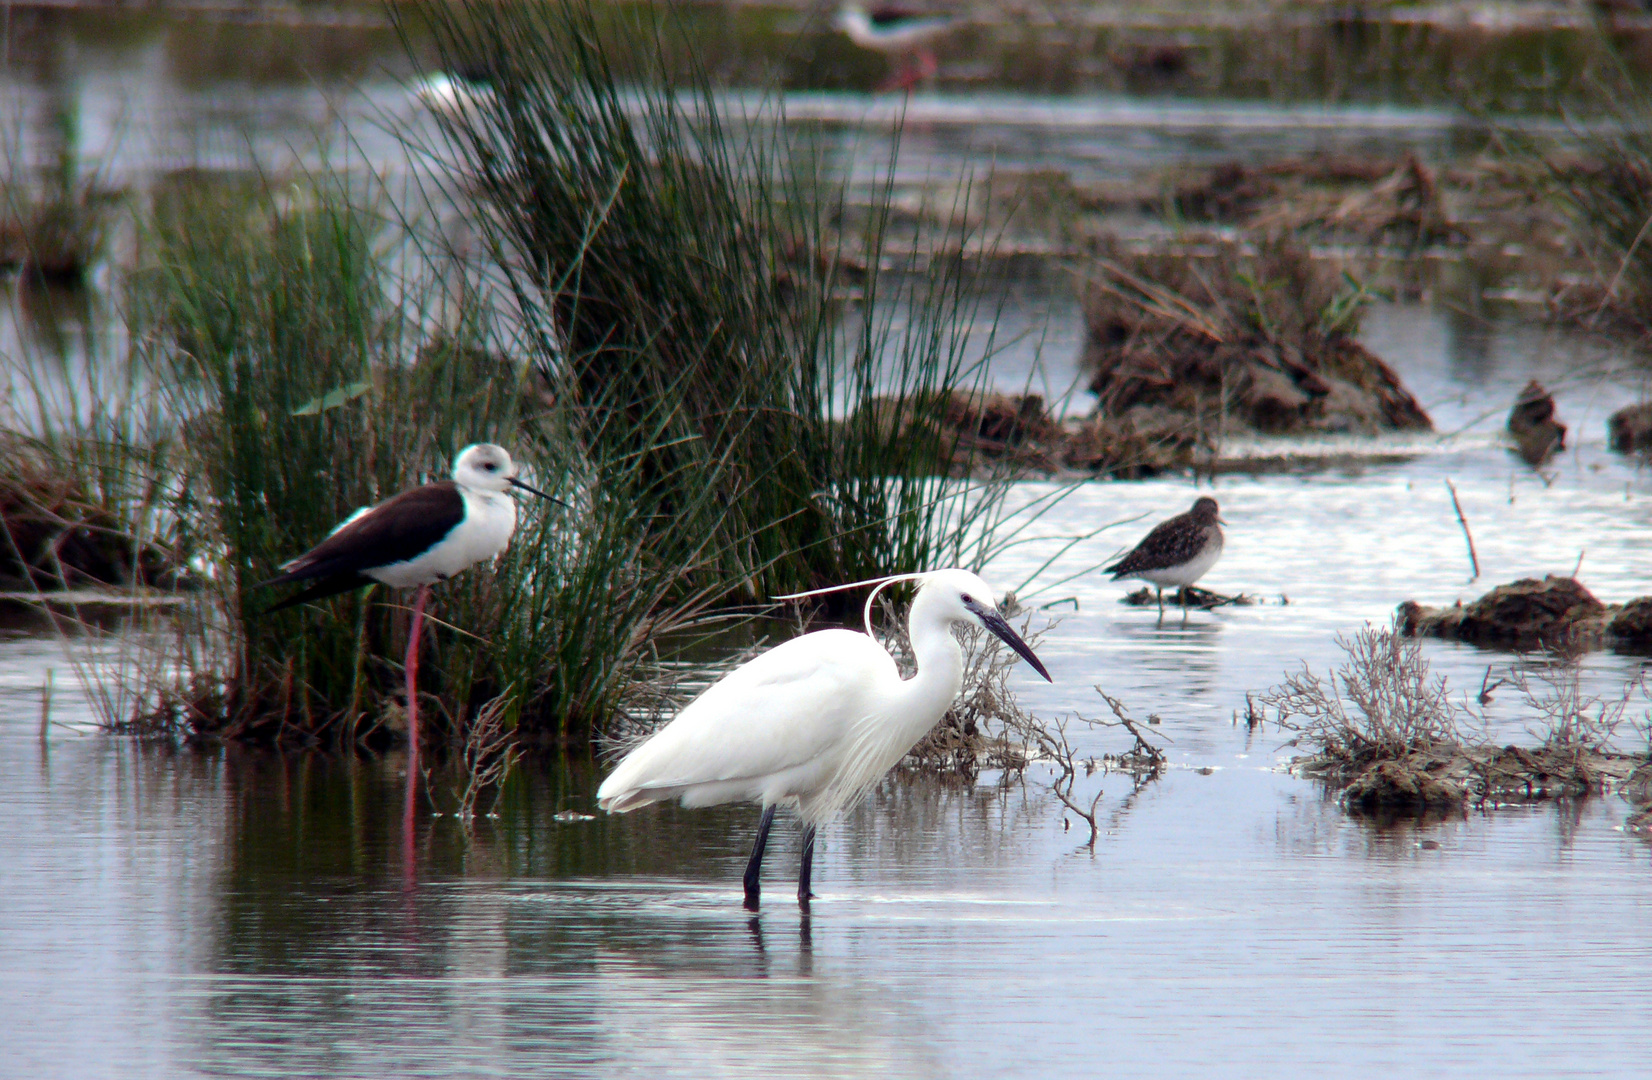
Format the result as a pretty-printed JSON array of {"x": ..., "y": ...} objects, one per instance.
[
  {"x": 1242, "y": 339},
  {"x": 1638, "y": 790},
  {"x": 1362, "y": 199},
  {"x": 1529, "y": 613},
  {"x": 1630, "y": 429},
  {"x": 57, "y": 535},
  {"x": 976, "y": 431},
  {"x": 1421, "y": 781},
  {"x": 1452, "y": 776}
]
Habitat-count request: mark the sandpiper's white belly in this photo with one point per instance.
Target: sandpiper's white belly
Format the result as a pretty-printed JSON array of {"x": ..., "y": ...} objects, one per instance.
[
  {"x": 483, "y": 533},
  {"x": 1189, "y": 572}
]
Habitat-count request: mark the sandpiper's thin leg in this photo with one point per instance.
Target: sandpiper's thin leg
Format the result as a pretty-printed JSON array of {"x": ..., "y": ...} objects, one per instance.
[
  {"x": 411, "y": 666},
  {"x": 754, "y": 867},
  {"x": 806, "y": 871},
  {"x": 1160, "y": 589}
]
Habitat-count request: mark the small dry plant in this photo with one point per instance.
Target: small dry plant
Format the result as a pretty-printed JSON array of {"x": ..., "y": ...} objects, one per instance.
[
  {"x": 1572, "y": 719},
  {"x": 489, "y": 754},
  {"x": 1381, "y": 704}
]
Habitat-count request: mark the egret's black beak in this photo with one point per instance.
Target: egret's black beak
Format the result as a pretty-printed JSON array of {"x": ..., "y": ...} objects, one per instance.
[
  {"x": 992, "y": 620},
  {"x": 514, "y": 482}
]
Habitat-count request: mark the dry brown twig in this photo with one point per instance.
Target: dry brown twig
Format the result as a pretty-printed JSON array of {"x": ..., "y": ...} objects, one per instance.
[
  {"x": 1048, "y": 741},
  {"x": 1380, "y": 704},
  {"x": 489, "y": 754}
]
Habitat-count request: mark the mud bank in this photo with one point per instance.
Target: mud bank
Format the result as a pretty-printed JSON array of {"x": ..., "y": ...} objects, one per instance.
[
  {"x": 1554, "y": 612},
  {"x": 1459, "y": 776}
]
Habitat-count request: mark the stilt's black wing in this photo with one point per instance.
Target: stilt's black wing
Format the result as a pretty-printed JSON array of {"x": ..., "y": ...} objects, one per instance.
[
  {"x": 394, "y": 531},
  {"x": 322, "y": 589},
  {"x": 885, "y": 15}
]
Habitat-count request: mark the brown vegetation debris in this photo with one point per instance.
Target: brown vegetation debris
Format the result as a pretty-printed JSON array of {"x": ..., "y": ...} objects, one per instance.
[
  {"x": 1260, "y": 339},
  {"x": 1638, "y": 790},
  {"x": 55, "y": 537},
  {"x": 1415, "y": 781},
  {"x": 1392, "y": 737},
  {"x": 1556, "y": 612},
  {"x": 1372, "y": 201},
  {"x": 1145, "y": 441},
  {"x": 981, "y": 429},
  {"x": 1537, "y": 433},
  {"x": 1630, "y": 428},
  {"x": 996, "y": 424}
]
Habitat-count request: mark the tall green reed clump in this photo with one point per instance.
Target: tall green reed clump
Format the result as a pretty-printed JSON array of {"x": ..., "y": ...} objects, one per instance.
[
  {"x": 268, "y": 321},
  {"x": 661, "y": 247},
  {"x": 308, "y": 380}
]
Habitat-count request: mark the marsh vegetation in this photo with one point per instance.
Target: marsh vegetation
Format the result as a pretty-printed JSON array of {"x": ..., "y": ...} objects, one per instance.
[
  {"x": 1387, "y": 734},
  {"x": 660, "y": 332}
]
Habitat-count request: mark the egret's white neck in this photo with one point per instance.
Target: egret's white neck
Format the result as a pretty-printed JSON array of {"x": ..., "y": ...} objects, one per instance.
[{"x": 926, "y": 696}]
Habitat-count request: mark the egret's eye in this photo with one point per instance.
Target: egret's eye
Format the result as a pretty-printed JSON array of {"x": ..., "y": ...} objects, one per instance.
[
  {"x": 491, "y": 467},
  {"x": 966, "y": 598}
]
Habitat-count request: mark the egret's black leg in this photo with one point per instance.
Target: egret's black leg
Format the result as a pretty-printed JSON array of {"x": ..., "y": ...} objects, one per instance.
[
  {"x": 754, "y": 868},
  {"x": 807, "y": 869}
]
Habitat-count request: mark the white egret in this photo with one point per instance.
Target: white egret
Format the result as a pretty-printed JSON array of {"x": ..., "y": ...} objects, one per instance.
[{"x": 813, "y": 723}]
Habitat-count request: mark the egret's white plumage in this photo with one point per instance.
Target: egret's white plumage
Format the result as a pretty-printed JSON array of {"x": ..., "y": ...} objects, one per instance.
[{"x": 815, "y": 722}]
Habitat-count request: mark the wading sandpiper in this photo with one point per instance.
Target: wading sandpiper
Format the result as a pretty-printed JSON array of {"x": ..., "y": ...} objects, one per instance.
[{"x": 1178, "y": 552}]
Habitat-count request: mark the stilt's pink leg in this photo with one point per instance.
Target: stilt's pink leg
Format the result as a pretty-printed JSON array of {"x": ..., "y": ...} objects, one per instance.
[{"x": 411, "y": 666}]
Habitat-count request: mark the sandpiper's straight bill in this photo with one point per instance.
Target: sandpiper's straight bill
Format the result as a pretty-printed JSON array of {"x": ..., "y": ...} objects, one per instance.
[
  {"x": 813, "y": 723},
  {"x": 419, "y": 537},
  {"x": 1178, "y": 552}
]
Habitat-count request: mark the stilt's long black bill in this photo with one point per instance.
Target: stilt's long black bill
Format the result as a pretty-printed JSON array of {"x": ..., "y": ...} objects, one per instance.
[
  {"x": 995, "y": 622},
  {"x": 514, "y": 482}
]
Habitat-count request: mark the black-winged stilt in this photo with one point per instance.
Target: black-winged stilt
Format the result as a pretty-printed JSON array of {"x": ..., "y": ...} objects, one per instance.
[
  {"x": 1177, "y": 552},
  {"x": 419, "y": 537},
  {"x": 899, "y": 33}
]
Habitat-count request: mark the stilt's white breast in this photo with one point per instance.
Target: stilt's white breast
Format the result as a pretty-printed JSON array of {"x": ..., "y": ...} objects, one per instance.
[{"x": 483, "y": 533}]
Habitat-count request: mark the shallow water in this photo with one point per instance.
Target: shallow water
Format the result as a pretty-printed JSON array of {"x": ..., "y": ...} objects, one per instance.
[
  {"x": 246, "y": 913},
  {"x": 169, "y": 912}
]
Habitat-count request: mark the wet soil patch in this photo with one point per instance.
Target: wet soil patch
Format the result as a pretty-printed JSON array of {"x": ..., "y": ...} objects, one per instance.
[
  {"x": 1455, "y": 776},
  {"x": 1554, "y": 612},
  {"x": 1243, "y": 339}
]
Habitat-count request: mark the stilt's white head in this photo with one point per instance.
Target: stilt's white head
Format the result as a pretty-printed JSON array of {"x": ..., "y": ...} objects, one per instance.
[
  {"x": 486, "y": 467},
  {"x": 852, "y": 17}
]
